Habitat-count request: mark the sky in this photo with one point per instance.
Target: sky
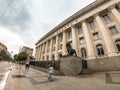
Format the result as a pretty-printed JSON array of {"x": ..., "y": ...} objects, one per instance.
[{"x": 24, "y": 22}]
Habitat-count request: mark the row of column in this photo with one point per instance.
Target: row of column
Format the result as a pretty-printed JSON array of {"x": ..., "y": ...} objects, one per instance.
[{"x": 89, "y": 43}]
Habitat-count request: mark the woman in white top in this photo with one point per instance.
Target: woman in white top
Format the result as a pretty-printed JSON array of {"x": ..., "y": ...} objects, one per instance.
[{"x": 50, "y": 71}]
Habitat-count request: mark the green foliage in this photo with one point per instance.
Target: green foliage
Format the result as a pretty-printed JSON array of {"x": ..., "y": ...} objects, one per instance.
[
  {"x": 4, "y": 55},
  {"x": 21, "y": 56},
  {"x": 15, "y": 56}
]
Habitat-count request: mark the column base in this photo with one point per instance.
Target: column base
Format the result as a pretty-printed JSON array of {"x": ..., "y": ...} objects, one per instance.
[{"x": 113, "y": 54}]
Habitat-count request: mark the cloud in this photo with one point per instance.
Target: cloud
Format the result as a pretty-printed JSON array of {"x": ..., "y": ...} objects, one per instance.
[
  {"x": 12, "y": 40},
  {"x": 15, "y": 15},
  {"x": 24, "y": 22}
]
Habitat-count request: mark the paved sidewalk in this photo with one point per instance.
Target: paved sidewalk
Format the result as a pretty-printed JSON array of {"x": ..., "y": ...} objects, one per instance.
[{"x": 37, "y": 80}]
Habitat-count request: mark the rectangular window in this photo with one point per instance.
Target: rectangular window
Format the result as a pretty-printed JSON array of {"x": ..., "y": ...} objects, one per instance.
[
  {"x": 54, "y": 48},
  {"x": 69, "y": 34},
  {"x": 82, "y": 40},
  {"x": 92, "y": 25},
  {"x": 60, "y": 46},
  {"x": 106, "y": 18},
  {"x": 79, "y": 30},
  {"x": 61, "y": 37},
  {"x": 113, "y": 30},
  {"x": 54, "y": 40},
  {"x": 96, "y": 36}
]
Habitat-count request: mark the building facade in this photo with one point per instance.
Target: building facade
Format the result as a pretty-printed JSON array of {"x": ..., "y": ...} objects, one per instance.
[
  {"x": 27, "y": 50},
  {"x": 94, "y": 32},
  {"x": 3, "y": 46}
]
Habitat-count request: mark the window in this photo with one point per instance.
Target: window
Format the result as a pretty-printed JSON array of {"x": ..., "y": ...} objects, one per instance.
[
  {"x": 60, "y": 46},
  {"x": 113, "y": 30},
  {"x": 106, "y": 18},
  {"x": 80, "y": 31},
  {"x": 92, "y": 25},
  {"x": 118, "y": 44},
  {"x": 53, "y": 48},
  {"x": 83, "y": 53},
  {"x": 43, "y": 57},
  {"x": 69, "y": 34},
  {"x": 82, "y": 40},
  {"x": 47, "y": 57},
  {"x": 100, "y": 50},
  {"x": 54, "y": 40},
  {"x": 96, "y": 36},
  {"x": 53, "y": 57},
  {"x": 61, "y": 37}
]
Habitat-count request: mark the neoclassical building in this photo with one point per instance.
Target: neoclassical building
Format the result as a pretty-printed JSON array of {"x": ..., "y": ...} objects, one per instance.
[
  {"x": 94, "y": 32},
  {"x": 28, "y": 50}
]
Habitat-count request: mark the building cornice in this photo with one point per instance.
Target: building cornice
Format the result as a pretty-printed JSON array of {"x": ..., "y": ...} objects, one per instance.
[{"x": 74, "y": 16}]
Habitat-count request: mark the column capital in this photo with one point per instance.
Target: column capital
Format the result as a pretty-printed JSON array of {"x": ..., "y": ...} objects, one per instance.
[
  {"x": 72, "y": 26},
  {"x": 111, "y": 7},
  {"x": 96, "y": 14},
  {"x": 83, "y": 21}
]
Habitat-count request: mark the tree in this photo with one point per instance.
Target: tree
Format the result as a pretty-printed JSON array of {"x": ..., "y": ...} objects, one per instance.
[
  {"x": 4, "y": 55},
  {"x": 15, "y": 56},
  {"x": 20, "y": 57}
]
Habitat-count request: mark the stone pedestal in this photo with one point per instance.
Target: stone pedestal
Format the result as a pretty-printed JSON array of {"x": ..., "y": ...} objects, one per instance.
[{"x": 70, "y": 65}]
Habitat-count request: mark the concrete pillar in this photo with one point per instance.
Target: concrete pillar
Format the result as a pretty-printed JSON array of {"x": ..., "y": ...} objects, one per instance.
[
  {"x": 105, "y": 35},
  {"x": 74, "y": 39},
  {"x": 46, "y": 47},
  {"x": 50, "y": 52},
  {"x": 56, "y": 49},
  {"x": 115, "y": 12},
  {"x": 36, "y": 53},
  {"x": 41, "y": 54},
  {"x": 64, "y": 43},
  {"x": 88, "y": 40}
]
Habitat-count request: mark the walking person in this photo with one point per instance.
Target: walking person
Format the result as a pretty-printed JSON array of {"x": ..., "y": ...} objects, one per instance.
[
  {"x": 27, "y": 65},
  {"x": 50, "y": 72}
]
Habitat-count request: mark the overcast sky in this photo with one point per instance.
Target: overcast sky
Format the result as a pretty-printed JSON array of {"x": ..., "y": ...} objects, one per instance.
[{"x": 24, "y": 22}]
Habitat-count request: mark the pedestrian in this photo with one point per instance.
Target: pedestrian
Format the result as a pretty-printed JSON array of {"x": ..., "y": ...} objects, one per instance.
[
  {"x": 27, "y": 65},
  {"x": 50, "y": 72}
]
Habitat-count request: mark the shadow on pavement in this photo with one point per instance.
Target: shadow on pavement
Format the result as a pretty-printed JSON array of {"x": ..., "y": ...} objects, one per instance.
[
  {"x": 34, "y": 82},
  {"x": 108, "y": 78}
]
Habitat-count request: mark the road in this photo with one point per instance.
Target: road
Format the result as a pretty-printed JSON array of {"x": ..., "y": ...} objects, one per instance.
[
  {"x": 37, "y": 80},
  {"x": 5, "y": 68}
]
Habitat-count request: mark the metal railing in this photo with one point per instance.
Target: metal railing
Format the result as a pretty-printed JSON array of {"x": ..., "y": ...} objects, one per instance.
[{"x": 45, "y": 64}]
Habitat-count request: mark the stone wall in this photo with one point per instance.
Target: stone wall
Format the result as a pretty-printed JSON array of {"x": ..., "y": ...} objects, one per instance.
[{"x": 104, "y": 64}]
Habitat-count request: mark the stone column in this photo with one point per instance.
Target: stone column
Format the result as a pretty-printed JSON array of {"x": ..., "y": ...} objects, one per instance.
[
  {"x": 39, "y": 52},
  {"x": 88, "y": 40},
  {"x": 74, "y": 39},
  {"x": 50, "y": 52},
  {"x": 64, "y": 43},
  {"x": 56, "y": 49},
  {"x": 105, "y": 35},
  {"x": 36, "y": 53},
  {"x": 46, "y": 47},
  {"x": 115, "y": 12},
  {"x": 42, "y": 48}
]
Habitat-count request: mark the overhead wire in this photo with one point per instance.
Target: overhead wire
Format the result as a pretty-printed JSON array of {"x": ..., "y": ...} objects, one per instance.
[
  {"x": 10, "y": 12},
  {"x": 15, "y": 19},
  {"x": 5, "y": 10}
]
